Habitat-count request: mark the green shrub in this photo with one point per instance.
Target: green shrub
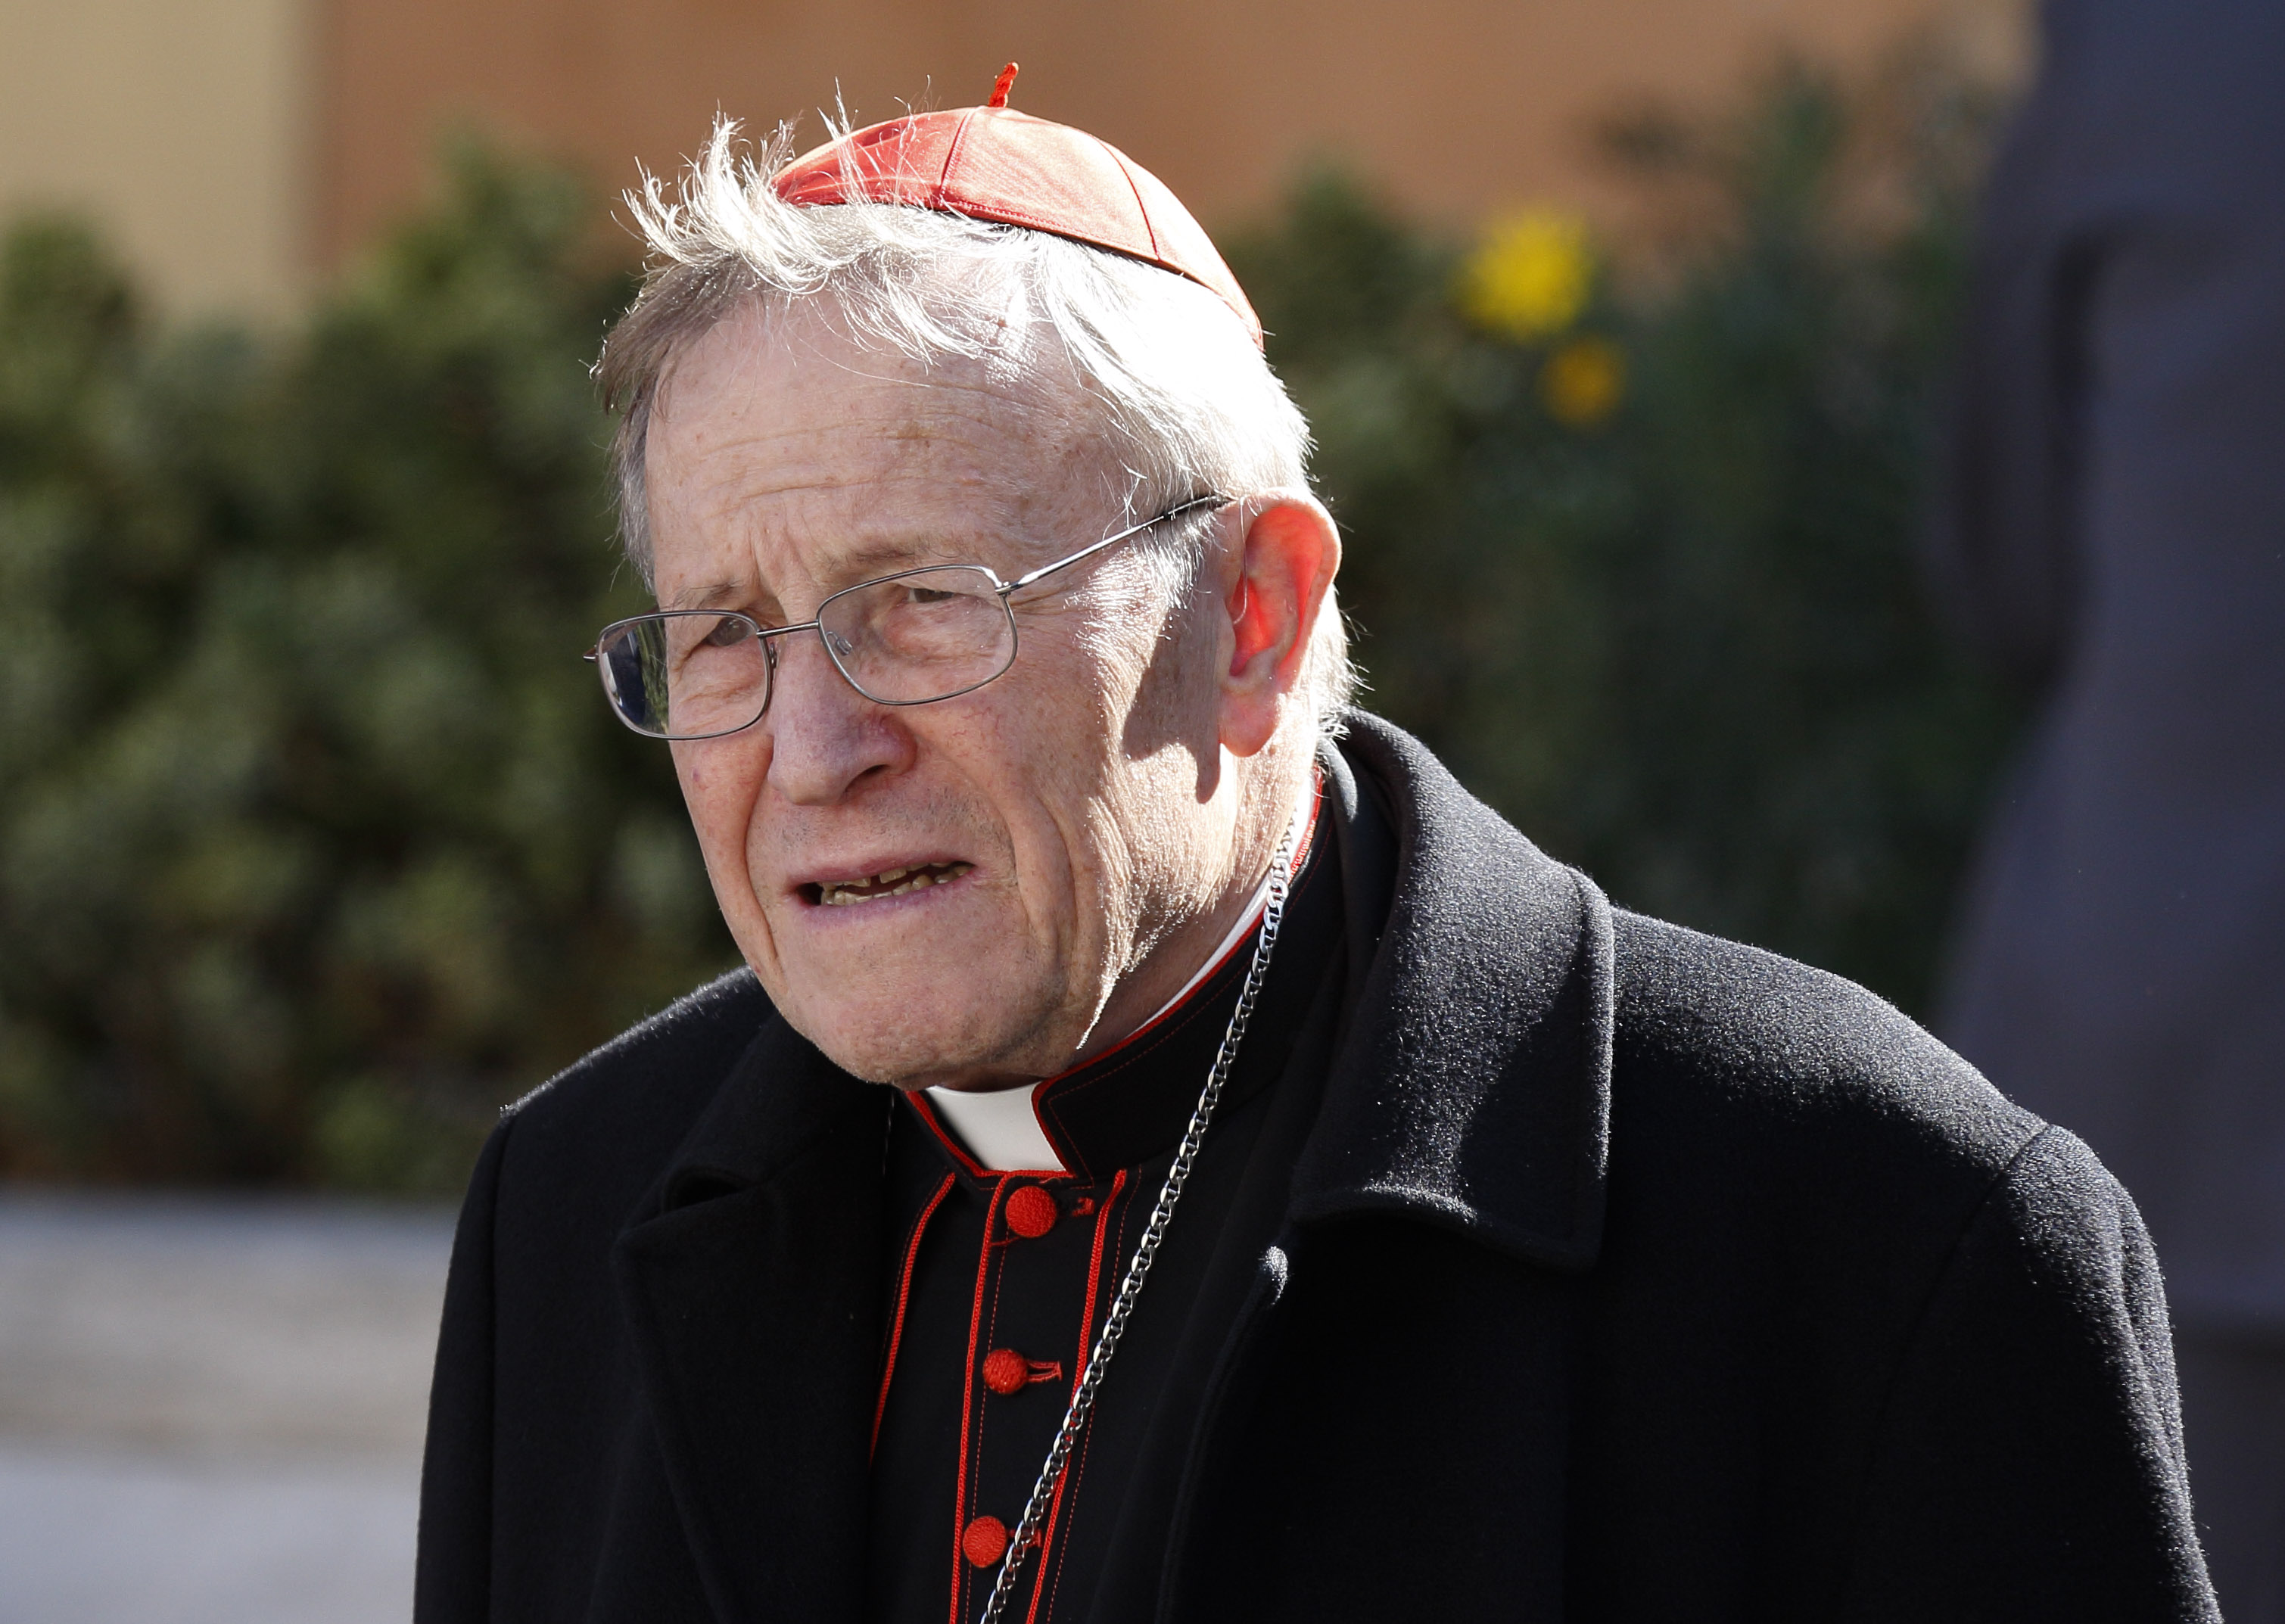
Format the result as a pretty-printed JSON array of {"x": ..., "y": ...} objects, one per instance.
[{"x": 319, "y": 844}]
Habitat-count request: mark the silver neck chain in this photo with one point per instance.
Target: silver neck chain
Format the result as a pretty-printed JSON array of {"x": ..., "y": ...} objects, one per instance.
[{"x": 1138, "y": 1267}]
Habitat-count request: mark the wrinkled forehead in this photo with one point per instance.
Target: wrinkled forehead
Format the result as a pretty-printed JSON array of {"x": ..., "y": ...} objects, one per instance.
[{"x": 777, "y": 437}]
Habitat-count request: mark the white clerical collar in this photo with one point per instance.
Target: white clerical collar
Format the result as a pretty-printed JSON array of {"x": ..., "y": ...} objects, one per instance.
[{"x": 1001, "y": 1129}]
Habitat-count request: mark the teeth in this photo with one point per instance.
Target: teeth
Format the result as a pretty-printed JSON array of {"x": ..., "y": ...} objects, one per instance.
[{"x": 840, "y": 894}]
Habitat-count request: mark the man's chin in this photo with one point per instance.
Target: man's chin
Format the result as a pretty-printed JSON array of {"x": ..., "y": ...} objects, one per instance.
[
  {"x": 916, "y": 1066},
  {"x": 910, "y": 1045}
]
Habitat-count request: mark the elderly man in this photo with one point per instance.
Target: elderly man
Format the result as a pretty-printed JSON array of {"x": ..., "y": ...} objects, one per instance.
[{"x": 1172, "y": 1154}]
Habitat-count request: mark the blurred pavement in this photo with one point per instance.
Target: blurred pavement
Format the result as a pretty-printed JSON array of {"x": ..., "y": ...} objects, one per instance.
[{"x": 211, "y": 1410}]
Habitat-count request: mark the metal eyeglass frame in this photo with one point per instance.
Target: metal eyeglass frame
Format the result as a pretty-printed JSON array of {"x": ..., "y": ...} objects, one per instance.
[{"x": 1004, "y": 589}]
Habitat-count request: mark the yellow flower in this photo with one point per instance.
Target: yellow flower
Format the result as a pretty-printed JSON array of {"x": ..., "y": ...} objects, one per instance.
[
  {"x": 1531, "y": 276},
  {"x": 1583, "y": 381}
]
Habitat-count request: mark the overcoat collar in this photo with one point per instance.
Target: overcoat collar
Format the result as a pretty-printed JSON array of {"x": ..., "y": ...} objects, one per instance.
[
  {"x": 1472, "y": 1089},
  {"x": 750, "y": 1281}
]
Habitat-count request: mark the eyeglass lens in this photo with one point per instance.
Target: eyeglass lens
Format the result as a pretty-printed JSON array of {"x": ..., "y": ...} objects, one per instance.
[
  {"x": 923, "y": 635},
  {"x": 685, "y": 676},
  {"x": 926, "y": 635}
]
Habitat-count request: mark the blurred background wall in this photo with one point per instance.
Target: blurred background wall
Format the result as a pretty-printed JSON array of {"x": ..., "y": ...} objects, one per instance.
[
  {"x": 237, "y": 148},
  {"x": 186, "y": 127}
]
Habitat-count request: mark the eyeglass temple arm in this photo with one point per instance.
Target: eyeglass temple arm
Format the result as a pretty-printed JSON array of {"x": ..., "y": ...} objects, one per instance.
[{"x": 1089, "y": 550}]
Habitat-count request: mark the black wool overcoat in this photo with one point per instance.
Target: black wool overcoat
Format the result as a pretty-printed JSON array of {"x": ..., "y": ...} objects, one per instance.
[{"x": 1627, "y": 1275}]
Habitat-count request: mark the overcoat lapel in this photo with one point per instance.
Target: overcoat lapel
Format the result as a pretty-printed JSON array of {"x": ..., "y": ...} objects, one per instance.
[
  {"x": 1474, "y": 1088},
  {"x": 1471, "y": 1092},
  {"x": 749, "y": 1287}
]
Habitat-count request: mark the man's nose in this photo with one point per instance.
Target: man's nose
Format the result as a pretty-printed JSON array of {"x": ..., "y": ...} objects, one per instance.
[{"x": 825, "y": 737}]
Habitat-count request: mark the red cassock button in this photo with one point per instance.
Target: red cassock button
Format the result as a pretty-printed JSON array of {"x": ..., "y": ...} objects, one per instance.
[
  {"x": 1031, "y": 1212},
  {"x": 983, "y": 1541},
  {"x": 1006, "y": 1371}
]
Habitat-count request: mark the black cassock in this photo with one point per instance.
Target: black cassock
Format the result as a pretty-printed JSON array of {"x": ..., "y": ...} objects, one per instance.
[
  {"x": 1555, "y": 1263},
  {"x": 1001, "y": 1281}
]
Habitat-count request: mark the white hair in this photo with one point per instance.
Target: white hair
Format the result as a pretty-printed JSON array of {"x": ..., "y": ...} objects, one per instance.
[{"x": 1188, "y": 404}]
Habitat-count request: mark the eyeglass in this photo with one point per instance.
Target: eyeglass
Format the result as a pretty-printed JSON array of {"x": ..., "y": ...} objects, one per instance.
[{"x": 909, "y": 639}]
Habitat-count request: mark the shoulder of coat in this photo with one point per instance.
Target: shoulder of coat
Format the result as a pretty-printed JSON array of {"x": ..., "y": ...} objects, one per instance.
[
  {"x": 1706, "y": 1024},
  {"x": 714, "y": 1023}
]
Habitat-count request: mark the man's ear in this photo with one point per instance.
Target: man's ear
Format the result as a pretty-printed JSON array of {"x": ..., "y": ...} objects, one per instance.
[{"x": 1273, "y": 588}]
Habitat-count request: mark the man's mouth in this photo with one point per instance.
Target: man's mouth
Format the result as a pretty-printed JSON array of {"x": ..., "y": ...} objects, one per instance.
[{"x": 888, "y": 883}]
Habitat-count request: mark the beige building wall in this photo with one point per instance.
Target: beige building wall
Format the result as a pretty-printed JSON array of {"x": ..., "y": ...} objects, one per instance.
[
  {"x": 236, "y": 147},
  {"x": 1458, "y": 106},
  {"x": 180, "y": 126}
]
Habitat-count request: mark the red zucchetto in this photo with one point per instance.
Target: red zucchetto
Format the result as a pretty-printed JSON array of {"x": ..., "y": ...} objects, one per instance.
[{"x": 996, "y": 164}]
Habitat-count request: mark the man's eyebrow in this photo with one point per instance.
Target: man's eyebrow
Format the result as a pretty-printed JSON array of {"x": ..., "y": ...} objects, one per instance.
[
  {"x": 712, "y": 595},
  {"x": 886, "y": 556},
  {"x": 861, "y": 563}
]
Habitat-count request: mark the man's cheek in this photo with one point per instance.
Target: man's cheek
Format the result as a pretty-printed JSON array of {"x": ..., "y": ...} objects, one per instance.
[
  {"x": 726, "y": 848},
  {"x": 714, "y": 804}
]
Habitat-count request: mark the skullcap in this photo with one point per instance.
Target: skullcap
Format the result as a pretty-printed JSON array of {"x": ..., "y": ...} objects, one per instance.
[{"x": 995, "y": 164}]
